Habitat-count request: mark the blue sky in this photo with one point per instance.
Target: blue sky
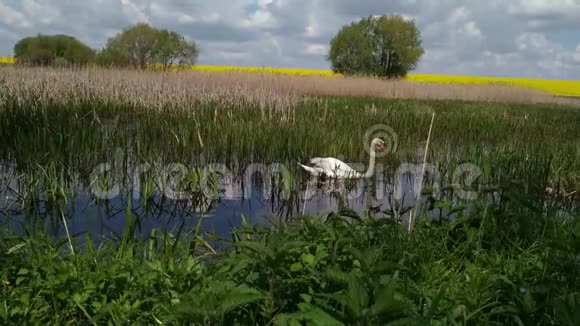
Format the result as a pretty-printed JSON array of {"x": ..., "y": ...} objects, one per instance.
[{"x": 528, "y": 38}]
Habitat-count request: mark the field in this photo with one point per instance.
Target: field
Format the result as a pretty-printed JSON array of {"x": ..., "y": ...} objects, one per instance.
[
  {"x": 7, "y": 60},
  {"x": 507, "y": 254},
  {"x": 554, "y": 87}
]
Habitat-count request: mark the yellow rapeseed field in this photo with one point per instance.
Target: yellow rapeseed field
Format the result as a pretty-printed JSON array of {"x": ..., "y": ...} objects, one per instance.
[
  {"x": 283, "y": 71},
  {"x": 554, "y": 87},
  {"x": 6, "y": 60}
]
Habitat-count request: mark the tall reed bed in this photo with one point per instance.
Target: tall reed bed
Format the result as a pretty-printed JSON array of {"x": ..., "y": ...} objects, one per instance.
[
  {"x": 182, "y": 85},
  {"x": 78, "y": 119}
]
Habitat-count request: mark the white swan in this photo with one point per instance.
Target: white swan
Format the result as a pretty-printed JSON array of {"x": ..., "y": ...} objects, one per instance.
[{"x": 334, "y": 168}]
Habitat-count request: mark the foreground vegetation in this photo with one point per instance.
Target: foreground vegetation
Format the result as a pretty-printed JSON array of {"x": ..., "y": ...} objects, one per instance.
[{"x": 507, "y": 265}]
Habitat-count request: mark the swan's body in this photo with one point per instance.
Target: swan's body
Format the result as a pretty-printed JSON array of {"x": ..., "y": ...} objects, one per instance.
[{"x": 331, "y": 167}]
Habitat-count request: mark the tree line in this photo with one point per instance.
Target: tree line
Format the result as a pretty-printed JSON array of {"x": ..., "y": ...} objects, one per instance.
[
  {"x": 137, "y": 46},
  {"x": 386, "y": 46}
]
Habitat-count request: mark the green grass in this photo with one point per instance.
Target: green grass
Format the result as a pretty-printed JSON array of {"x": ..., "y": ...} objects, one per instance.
[
  {"x": 80, "y": 136},
  {"x": 484, "y": 269}
]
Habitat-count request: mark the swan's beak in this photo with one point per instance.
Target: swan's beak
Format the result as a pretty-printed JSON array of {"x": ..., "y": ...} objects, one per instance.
[{"x": 383, "y": 148}]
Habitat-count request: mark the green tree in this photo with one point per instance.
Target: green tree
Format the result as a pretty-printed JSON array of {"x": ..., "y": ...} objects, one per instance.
[
  {"x": 385, "y": 46},
  {"x": 174, "y": 48},
  {"x": 141, "y": 44},
  {"x": 113, "y": 54},
  {"x": 46, "y": 49}
]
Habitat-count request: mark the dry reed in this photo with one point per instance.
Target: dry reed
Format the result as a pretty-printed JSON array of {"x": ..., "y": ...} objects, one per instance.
[
  {"x": 180, "y": 89},
  {"x": 401, "y": 89}
]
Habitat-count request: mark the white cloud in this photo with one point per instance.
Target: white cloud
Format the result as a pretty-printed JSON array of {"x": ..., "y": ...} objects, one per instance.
[
  {"x": 470, "y": 29},
  {"x": 547, "y": 14},
  {"x": 13, "y": 17},
  {"x": 516, "y": 37},
  {"x": 532, "y": 41},
  {"x": 316, "y": 49},
  {"x": 312, "y": 29},
  {"x": 543, "y": 7},
  {"x": 135, "y": 12},
  {"x": 44, "y": 12}
]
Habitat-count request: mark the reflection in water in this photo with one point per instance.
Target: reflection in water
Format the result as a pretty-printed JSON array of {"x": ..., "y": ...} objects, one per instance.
[{"x": 219, "y": 206}]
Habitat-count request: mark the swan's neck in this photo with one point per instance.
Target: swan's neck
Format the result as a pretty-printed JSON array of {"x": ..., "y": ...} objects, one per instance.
[{"x": 371, "y": 169}]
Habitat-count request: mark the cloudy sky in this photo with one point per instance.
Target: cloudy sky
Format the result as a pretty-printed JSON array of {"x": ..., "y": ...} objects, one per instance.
[{"x": 529, "y": 38}]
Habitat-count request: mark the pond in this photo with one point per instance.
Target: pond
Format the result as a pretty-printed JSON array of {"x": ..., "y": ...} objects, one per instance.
[{"x": 175, "y": 198}]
